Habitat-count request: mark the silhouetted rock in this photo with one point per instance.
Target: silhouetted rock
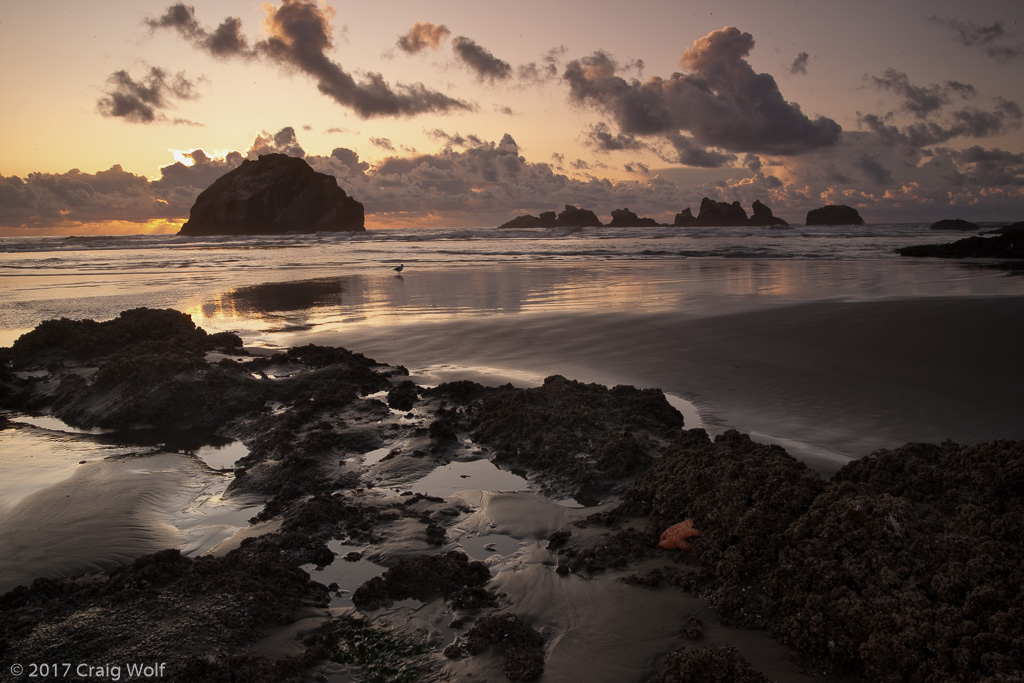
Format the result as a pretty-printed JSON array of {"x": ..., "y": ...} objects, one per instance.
[
  {"x": 715, "y": 214},
  {"x": 684, "y": 219},
  {"x": 276, "y": 194},
  {"x": 1007, "y": 228},
  {"x": 624, "y": 218},
  {"x": 834, "y": 214},
  {"x": 763, "y": 216},
  {"x": 572, "y": 217},
  {"x": 723, "y": 214},
  {"x": 1009, "y": 244},
  {"x": 954, "y": 224}
]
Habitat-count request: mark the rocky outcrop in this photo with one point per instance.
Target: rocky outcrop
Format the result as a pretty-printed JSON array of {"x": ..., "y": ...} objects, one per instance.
[
  {"x": 723, "y": 214},
  {"x": 763, "y": 216},
  {"x": 1007, "y": 244},
  {"x": 834, "y": 214},
  {"x": 954, "y": 224},
  {"x": 571, "y": 217},
  {"x": 624, "y": 218},
  {"x": 276, "y": 194},
  {"x": 714, "y": 214}
]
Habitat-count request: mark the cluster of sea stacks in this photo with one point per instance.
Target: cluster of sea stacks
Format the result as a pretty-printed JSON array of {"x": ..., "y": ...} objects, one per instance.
[
  {"x": 712, "y": 214},
  {"x": 907, "y": 565},
  {"x": 279, "y": 194}
]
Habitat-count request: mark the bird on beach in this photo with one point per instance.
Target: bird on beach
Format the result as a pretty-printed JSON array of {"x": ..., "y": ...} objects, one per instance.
[{"x": 399, "y": 268}]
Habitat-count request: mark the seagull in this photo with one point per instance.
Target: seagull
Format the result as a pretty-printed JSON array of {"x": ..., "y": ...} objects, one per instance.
[{"x": 399, "y": 268}]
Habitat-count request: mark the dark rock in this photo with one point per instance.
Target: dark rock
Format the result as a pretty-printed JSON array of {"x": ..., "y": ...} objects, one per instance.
[
  {"x": 403, "y": 396},
  {"x": 723, "y": 214},
  {"x": 572, "y": 217},
  {"x": 545, "y": 220},
  {"x": 1013, "y": 227},
  {"x": 834, "y": 214},
  {"x": 275, "y": 195},
  {"x": 586, "y": 440},
  {"x": 684, "y": 219},
  {"x": 1009, "y": 244},
  {"x": 708, "y": 665},
  {"x": 720, "y": 214},
  {"x": 624, "y": 218},
  {"x": 422, "y": 577},
  {"x": 763, "y": 216},
  {"x": 523, "y": 645},
  {"x": 954, "y": 224}
]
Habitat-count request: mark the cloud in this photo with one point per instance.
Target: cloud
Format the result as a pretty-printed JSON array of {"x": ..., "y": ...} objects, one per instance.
[
  {"x": 875, "y": 172},
  {"x": 299, "y": 37},
  {"x": 480, "y": 60},
  {"x": 799, "y": 65},
  {"x": 421, "y": 36},
  {"x": 920, "y": 101},
  {"x": 720, "y": 103},
  {"x": 601, "y": 138},
  {"x": 383, "y": 143},
  {"x": 226, "y": 40},
  {"x": 143, "y": 100},
  {"x": 993, "y": 39}
]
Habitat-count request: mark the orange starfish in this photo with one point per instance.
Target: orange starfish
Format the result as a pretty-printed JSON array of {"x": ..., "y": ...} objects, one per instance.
[{"x": 675, "y": 536}]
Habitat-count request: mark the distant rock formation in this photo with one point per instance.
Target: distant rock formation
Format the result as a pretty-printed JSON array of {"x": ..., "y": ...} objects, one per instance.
[
  {"x": 763, "y": 216},
  {"x": 721, "y": 214},
  {"x": 571, "y": 217},
  {"x": 834, "y": 214},
  {"x": 624, "y": 218},
  {"x": 275, "y": 195},
  {"x": 954, "y": 224},
  {"x": 1008, "y": 244}
]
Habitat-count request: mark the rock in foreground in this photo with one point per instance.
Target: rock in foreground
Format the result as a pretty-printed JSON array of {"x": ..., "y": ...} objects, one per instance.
[{"x": 275, "y": 195}]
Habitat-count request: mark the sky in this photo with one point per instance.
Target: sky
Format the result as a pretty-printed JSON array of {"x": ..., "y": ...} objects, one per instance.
[{"x": 116, "y": 115}]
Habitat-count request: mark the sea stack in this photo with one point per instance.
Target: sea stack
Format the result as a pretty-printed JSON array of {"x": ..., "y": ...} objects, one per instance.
[
  {"x": 273, "y": 195},
  {"x": 834, "y": 214}
]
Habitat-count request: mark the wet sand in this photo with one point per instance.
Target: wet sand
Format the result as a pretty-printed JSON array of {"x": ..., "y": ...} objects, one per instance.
[
  {"x": 70, "y": 505},
  {"x": 828, "y": 381}
]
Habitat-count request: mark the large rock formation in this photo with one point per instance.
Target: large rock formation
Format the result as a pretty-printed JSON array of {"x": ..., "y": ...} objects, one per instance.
[
  {"x": 834, "y": 214},
  {"x": 571, "y": 217},
  {"x": 722, "y": 214},
  {"x": 276, "y": 194},
  {"x": 624, "y": 218},
  {"x": 1008, "y": 244},
  {"x": 763, "y": 216}
]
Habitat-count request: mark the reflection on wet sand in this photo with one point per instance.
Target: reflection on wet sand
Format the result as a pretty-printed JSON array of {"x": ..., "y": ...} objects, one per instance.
[{"x": 694, "y": 287}]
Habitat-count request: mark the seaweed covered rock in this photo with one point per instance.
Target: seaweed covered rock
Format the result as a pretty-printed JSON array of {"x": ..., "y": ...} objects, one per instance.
[
  {"x": 741, "y": 495},
  {"x": 707, "y": 665},
  {"x": 144, "y": 368},
  {"x": 163, "y": 605},
  {"x": 912, "y": 561},
  {"x": 422, "y": 577},
  {"x": 586, "y": 439},
  {"x": 523, "y": 645}
]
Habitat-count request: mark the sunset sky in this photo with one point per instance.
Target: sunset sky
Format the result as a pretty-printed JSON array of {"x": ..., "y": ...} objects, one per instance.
[{"x": 116, "y": 115}]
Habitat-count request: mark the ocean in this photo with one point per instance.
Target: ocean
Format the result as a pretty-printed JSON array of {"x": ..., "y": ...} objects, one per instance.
[{"x": 268, "y": 286}]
